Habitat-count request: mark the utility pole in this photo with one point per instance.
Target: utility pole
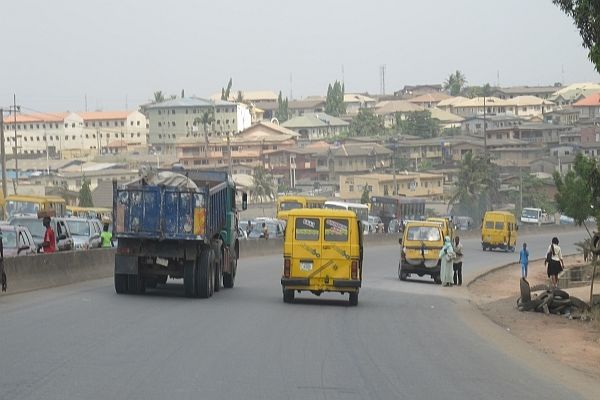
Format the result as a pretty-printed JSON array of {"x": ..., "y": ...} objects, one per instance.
[
  {"x": 14, "y": 109},
  {"x": 3, "y": 153},
  {"x": 485, "y": 149}
]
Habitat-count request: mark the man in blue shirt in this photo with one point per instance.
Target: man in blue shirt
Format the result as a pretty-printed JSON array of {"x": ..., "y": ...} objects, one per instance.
[{"x": 524, "y": 260}]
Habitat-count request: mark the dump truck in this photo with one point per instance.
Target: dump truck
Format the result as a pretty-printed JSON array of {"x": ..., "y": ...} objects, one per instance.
[{"x": 178, "y": 224}]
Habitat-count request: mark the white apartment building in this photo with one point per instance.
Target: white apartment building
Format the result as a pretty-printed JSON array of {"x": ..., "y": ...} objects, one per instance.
[
  {"x": 522, "y": 106},
  {"x": 176, "y": 119},
  {"x": 61, "y": 133}
]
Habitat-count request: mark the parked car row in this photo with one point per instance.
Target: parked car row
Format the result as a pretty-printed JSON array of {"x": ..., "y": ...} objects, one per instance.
[
  {"x": 24, "y": 234},
  {"x": 253, "y": 229}
]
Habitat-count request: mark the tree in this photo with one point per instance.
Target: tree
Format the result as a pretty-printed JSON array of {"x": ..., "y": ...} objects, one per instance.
[
  {"x": 420, "y": 123},
  {"x": 578, "y": 196},
  {"x": 240, "y": 96},
  {"x": 85, "y": 194},
  {"x": 334, "y": 103},
  {"x": 263, "y": 185},
  {"x": 585, "y": 14},
  {"x": 206, "y": 119},
  {"x": 478, "y": 91},
  {"x": 455, "y": 82},
  {"x": 159, "y": 97},
  {"x": 282, "y": 114},
  {"x": 365, "y": 198},
  {"x": 225, "y": 92},
  {"x": 366, "y": 123},
  {"x": 478, "y": 184}
]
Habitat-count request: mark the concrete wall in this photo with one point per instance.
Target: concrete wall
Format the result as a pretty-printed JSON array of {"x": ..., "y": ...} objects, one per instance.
[{"x": 49, "y": 270}]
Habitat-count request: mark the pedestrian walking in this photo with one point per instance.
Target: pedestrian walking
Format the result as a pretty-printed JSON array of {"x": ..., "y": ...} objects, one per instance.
[
  {"x": 49, "y": 243},
  {"x": 458, "y": 261},
  {"x": 106, "y": 237},
  {"x": 446, "y": 257},
  {"x": 555, "y": 262},
  {"x": 524, "y": 260}
]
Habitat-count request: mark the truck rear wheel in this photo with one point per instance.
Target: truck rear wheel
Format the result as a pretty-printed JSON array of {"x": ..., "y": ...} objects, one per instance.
[
  {"x": 219, "y": 270},
  {"x": 135, "y": 284},
  {"x": 189, "y": 278},
  {"x": 229, "y": 277},
  {"x": 121, "y": 283},
  {"x": 205, "y": 274}
]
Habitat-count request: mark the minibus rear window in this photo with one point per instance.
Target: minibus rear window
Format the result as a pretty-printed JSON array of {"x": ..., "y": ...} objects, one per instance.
[
  {"x": 307, "y": 228},
  {"x": 336, "y": 230}
]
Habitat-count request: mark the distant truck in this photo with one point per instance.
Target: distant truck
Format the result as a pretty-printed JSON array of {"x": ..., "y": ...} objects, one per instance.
[
  {"x": 182, "y": 225},
  {"x": 536, "y": 216}
]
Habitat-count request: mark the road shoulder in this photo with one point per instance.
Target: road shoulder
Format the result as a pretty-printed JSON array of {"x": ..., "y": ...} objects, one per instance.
[{"x": 565, "y": 342}]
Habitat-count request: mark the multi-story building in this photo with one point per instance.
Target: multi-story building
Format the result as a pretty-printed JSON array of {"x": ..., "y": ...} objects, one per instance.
[
  {"x": 411, "y": 184},
  {"x": 474, "y": 125},
  {"x": 82, "y": 133},
  {"x": 350, "y": 158},
  {"x": 354, "y": 102},
  {"x": 174, "y": 120},
  {"x": 589, "y": 107},
  {"x": 316, "y": 126},
  {"x": 248, "y": 147},
  {"x": 543, "y": 92}
]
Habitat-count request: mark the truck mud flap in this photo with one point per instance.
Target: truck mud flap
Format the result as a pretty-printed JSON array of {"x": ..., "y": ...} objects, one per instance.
[{"x": 126, "y": 264}]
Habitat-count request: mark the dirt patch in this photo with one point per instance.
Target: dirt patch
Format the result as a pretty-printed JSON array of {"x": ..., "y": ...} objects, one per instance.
[{"x": 573, "y": 342}]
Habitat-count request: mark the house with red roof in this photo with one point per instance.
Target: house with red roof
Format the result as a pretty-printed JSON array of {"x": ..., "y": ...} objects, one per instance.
[{"x": 589, "y": 107}]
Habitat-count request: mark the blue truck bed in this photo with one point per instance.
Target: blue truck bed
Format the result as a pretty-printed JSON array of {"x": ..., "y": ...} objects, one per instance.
[{"x": 169, "y": 213}]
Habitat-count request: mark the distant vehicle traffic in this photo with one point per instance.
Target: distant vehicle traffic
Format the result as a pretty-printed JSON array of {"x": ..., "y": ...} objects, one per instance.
[
  {"x": 31, "y": 205},
  {"x": 64, "y": 240},
  {"x": 288, "y": 202},
  {"x": 397, "y": 207},
  {"x": 361, "y": 211},
  {"x": 85, "y": 232},
  {"x": 275, "y": 228},
  {"x": 536, "y": 216},
  {"x": 17, "y": 241}
]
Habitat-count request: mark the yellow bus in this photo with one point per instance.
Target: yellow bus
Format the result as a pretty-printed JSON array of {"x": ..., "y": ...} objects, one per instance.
[
  {"x": 90, "y": 212},
  {"x": 16, "y": 204},
  {"x": 287, "y": 203}
]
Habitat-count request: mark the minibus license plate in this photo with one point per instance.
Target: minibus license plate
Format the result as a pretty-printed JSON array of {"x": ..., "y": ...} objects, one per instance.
[{"x": 306, "y": 265}]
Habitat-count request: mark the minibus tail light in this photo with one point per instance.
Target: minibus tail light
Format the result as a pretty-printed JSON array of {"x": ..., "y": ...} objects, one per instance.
[
  {"x": 354, "y": 269},
  {"x": 286, "y": 267}
]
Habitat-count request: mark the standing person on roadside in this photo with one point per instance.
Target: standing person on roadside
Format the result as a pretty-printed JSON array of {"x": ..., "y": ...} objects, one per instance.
[
  {"x": 49, "y": 243},
  {"x": 106, "y": 237},
  {"x": 265, "y": 231},
  {"x": 555, "y": 262},
  {"x": 446, "y": 257},
  {"x": 458, "y": 260},
  {"x": 524, "y": 260}
]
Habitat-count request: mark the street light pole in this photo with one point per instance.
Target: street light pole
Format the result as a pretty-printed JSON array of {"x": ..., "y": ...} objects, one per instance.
[
  {"x": 485, "y": 149},
  {"x": 3, "y": 153}
]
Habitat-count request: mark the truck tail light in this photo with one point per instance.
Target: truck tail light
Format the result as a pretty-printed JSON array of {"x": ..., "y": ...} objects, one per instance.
[
  {"x": 199, "y": 221},
  {"x": 286, "y": 267},
  {"x": 124, "y": 250},
  {"x": 354, "y": 269}
]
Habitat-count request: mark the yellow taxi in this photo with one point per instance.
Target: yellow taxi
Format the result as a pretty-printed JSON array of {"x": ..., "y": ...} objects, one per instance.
[
  {"x": 322, "y": 252},
  {"x": 421, "y": 245}
]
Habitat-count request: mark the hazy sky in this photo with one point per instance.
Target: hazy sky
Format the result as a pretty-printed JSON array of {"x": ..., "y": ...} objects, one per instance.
[{"x": 57, "y": 52}]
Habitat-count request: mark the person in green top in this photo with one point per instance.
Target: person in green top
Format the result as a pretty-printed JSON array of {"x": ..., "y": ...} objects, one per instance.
[{"x": 106, "y": 237}]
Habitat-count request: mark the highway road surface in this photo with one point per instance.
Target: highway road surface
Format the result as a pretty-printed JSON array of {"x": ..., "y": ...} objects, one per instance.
[{"x": 405, "y": 340}]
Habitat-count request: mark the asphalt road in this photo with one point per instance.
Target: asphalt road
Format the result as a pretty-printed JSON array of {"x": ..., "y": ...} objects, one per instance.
[{"x": 405, "y": 340}]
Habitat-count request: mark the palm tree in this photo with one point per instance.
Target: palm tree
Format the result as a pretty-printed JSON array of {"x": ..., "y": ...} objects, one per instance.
[
  {"x": 207, "y": 119},
  {"x": 263, "y": 185},
  {"x": 455, "y": 82},
  {"x": 159, "y": 96}
]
